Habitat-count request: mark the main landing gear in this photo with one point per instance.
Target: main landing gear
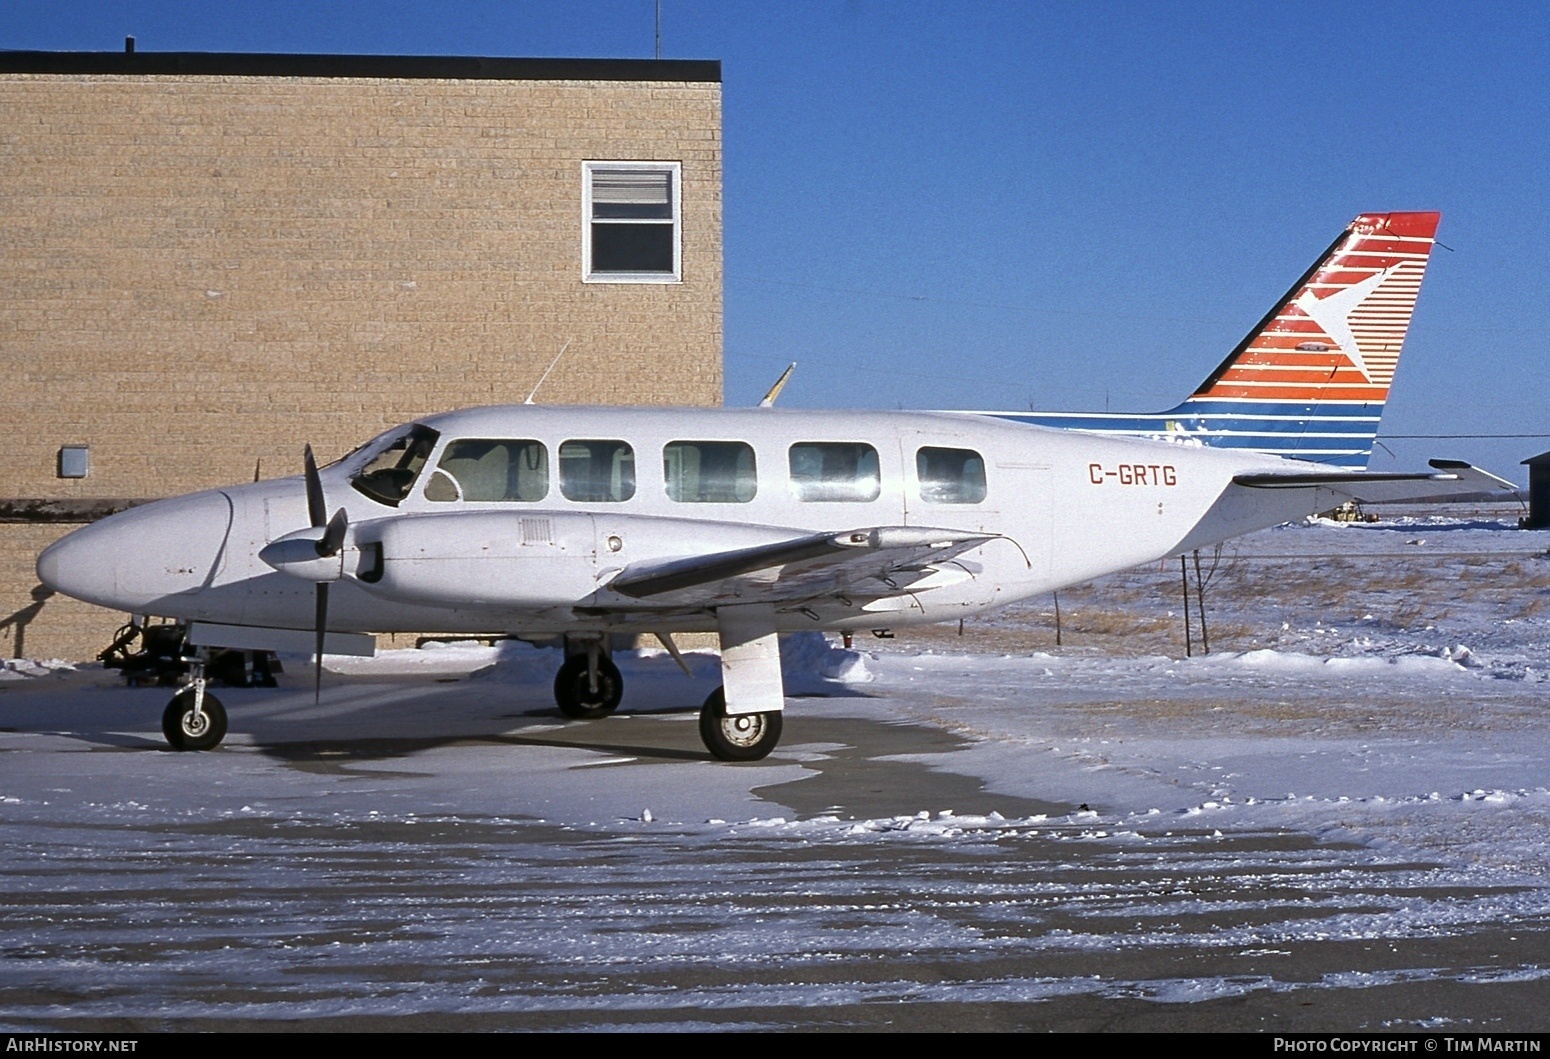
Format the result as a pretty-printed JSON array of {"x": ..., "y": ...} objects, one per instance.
[
  {"x": 589, "y": 686},
  {"x": 738, "y": 736}
]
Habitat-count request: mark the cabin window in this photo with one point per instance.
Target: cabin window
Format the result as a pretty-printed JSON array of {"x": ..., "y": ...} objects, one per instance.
[
  {"x": 597, "y": 471},
  {"x": 709, "y": 472},
  {"x": 950, "y": 476},
  {"x": 631, "y": 212},
  {"x": 835, "y": 472},
  {"x": 389, "y": 474},
  {"x": 498, "y": 471}
]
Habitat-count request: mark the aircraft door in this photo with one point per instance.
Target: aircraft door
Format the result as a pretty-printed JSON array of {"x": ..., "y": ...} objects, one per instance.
[
  {"x": 1029, "y": 515},
  {"x": 948, "y": 485}
]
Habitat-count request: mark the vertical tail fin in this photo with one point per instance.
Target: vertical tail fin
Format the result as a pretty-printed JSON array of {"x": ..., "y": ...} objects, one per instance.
[{"x": 1311, "y": 378}]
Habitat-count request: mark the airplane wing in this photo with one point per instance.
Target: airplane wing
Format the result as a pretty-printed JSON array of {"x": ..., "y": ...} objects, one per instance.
[{"x": 862, "y": 564}]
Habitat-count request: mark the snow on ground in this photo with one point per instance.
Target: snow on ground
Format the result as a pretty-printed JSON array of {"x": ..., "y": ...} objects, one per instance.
[
  {"x": 1419, "y": 717},
  {"x": 1354, "y": 777}
]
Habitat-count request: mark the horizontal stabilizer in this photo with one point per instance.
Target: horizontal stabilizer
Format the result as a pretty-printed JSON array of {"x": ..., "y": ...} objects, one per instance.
[
  {"x": 1453, "y": 478},
  {"x": 1484, "y": 480},
  {"x": 1261, "y": 499}
]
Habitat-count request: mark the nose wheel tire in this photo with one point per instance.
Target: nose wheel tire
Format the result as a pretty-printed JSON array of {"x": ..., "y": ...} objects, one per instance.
[
  {"x": 737, "y": 737},
  {"x": 186, "y": 730},
  {"x": 575, "y": 694}
]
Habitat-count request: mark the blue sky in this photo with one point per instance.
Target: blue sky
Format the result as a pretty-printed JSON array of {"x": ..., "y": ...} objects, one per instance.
[{"x": 1062, "y": 205}]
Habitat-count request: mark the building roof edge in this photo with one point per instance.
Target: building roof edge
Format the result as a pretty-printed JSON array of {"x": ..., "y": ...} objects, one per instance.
[{"x": 437, "y": 67}]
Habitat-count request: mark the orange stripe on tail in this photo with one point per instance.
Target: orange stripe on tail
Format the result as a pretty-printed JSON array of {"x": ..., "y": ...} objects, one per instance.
[{"x": 1349, "y": 313}]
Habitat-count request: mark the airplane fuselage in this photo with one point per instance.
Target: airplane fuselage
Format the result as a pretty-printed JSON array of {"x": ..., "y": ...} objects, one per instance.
[{"x": 483, "y": 549}]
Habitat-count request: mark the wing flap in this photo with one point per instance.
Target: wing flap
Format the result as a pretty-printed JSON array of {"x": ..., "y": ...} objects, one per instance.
[{"x": 868, "y": 563}]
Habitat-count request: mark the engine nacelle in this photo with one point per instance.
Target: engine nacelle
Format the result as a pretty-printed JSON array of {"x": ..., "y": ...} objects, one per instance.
[
  {"x": 516, "y": 559},
  {"x": 498, "y": 558}
]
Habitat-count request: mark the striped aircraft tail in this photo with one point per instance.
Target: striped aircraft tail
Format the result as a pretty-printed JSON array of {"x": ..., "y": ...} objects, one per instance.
[{"x": 1310, "y": 380}]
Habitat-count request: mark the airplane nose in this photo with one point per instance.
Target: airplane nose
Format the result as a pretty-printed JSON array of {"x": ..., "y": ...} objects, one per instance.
[{"x": 131, "y": 560}]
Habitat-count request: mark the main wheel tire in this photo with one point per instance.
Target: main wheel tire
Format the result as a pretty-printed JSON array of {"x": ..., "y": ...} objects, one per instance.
[
  {"x": 737, "y": 737},
  {"x": 574, "y": 694},
  {"x": 182, "y": 730}
]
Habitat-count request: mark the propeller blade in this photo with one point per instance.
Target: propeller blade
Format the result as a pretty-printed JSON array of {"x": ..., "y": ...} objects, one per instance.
[
  {"x": 317, "y": 508},
  {"x": 322, "y": 629},
  {"x": 333, "y": 535}
]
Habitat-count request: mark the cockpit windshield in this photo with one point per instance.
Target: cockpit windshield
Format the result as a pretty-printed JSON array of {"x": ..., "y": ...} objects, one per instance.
[{"x": 388, "y": 476}]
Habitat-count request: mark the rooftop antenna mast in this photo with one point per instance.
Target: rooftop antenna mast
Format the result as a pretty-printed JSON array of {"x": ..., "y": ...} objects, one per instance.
[
  {"x": 547, "y": 370},
  {"x": 659, "y": 29}
]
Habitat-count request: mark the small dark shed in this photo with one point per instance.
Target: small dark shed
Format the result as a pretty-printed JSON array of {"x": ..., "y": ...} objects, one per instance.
[{"x": 1538, "y": 491}]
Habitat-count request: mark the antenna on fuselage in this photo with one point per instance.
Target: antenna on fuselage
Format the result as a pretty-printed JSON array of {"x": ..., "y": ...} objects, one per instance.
[
  {"x": 780, "y": 384},
  {"x": 547, "y": 370}
]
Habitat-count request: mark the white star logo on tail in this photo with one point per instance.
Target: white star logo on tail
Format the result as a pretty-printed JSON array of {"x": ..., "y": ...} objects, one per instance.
[{"x": 1332, "y": 312}]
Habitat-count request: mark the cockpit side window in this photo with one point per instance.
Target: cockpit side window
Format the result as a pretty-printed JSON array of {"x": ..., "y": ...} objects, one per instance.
[
  {"x": 389, "y": 475},
  {"x": 835, "y": 472},
  {"x": 950, "y": 476},
  {"x": 500, "y": 471}
]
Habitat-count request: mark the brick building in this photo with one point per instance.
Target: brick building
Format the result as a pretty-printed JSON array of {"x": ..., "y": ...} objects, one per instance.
[{"x": 206, "y": 260}]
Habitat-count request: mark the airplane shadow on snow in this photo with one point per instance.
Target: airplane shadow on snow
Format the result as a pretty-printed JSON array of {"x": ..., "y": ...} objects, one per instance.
[{"x": 404, "y": 716}]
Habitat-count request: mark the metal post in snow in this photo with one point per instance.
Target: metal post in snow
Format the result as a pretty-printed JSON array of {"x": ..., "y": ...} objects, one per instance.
[
  {"x": 1189, "y": 649},
  {"x": 1200, "y": 597}
]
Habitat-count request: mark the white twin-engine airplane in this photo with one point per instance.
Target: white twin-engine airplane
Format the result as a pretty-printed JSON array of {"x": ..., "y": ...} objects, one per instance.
[{"x": 578, "y": 523}]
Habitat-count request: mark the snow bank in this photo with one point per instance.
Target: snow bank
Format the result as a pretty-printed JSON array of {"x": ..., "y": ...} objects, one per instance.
[
  {"x": 28, "y": 669},
  {"x": 810, "y": 661},
  {"x": 1296, "y": 663},
  {"x": 434, "y": 659}
]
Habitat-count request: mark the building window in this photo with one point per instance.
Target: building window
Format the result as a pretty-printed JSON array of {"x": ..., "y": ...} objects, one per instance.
[{"x": 631, "y": 220}]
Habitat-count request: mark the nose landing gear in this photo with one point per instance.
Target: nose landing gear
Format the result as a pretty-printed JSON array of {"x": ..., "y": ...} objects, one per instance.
[{"x": 194, "y": 719}]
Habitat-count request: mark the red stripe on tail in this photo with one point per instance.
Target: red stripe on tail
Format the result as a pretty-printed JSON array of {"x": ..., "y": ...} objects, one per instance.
[{"x": 1350, "y": 311}]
